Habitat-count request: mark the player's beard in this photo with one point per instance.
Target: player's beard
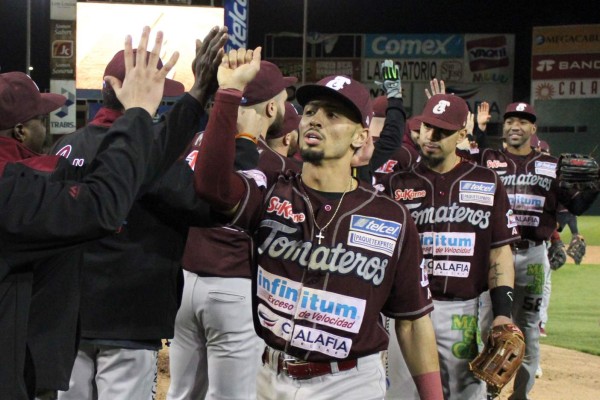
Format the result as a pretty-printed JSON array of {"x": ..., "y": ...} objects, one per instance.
[
  {"x": 276, "y": 126},
  {"x": 431, "y": 161},
  {"x": 312, "y": 156}
]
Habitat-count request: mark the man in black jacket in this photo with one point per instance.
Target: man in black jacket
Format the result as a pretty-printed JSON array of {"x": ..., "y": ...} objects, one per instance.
[
  {"x": 131, "y": 281},
  {"x": 49, "y": 209}
]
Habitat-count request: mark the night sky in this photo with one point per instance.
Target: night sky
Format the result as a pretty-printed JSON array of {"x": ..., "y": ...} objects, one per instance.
[{"x": 335, "y": 16}]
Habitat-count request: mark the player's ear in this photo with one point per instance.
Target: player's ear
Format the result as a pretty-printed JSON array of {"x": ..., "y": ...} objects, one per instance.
[
  {"x": 360, "y": 137},
  {"x": 462, "y": 134},
  {"x": 271, "y": 108},
  {"x": 534, "y": 129},
  {"x": 18, "y": 132}
]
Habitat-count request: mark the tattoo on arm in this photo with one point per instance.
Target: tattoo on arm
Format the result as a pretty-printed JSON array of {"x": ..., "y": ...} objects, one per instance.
[{"x": 494, "y": 274}]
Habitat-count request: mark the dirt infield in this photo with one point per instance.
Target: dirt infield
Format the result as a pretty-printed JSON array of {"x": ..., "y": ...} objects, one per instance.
[
  {"x": 592, "y": 256},
  {"x": 567, "y": 375}
]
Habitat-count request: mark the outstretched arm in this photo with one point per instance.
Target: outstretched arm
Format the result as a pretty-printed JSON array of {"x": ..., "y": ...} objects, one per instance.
[{"x": 214, "y": 177}]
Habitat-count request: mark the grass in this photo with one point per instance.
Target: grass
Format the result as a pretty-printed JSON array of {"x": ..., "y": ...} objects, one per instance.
[
  {"x": 574, "y": 313},
  {"x": 589, "y": 227}
]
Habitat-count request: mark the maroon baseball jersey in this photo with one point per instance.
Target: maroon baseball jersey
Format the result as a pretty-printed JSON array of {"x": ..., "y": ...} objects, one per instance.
[
  {"x": 223, "y": 250},
  {"x": 460, "y": 216},
  {"x": 530, "y": 182},
  {"x": 319, "y": 294},
  {"x": 402, "y": 159}
]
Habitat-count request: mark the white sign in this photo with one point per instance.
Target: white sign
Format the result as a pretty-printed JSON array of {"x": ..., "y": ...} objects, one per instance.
[{"x": 64, "y": 119}]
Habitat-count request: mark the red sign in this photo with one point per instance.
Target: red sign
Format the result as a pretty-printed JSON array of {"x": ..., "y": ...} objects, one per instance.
[
  {"x": 566, "y": 66},
  {"x": 488, "y": 53}
]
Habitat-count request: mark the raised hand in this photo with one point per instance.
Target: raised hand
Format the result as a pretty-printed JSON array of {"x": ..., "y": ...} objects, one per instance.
[
  {"x": 391, "y": 85},
  {"x": 238, "y": 68},
  {"x": 483, "y": 115},
  {"x": 437, "y": 87},
  {"x": 209, "y": 54},
  {"x": 470, "y": 123},
  {"x": 143, "y": 85}
]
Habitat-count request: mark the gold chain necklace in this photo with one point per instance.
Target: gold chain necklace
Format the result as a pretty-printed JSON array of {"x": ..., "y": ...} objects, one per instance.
[{"x": 320, "y": 236}]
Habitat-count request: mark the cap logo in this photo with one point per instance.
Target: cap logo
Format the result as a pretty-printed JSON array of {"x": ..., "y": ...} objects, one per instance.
[
  {"x": 338, "y": 82},
  {"x": 521, "y": 107},
  {"x": 440, "y": 107}
]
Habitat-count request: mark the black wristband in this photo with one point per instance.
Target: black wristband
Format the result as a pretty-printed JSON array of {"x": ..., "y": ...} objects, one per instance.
[{"x": 502, "y": 301}]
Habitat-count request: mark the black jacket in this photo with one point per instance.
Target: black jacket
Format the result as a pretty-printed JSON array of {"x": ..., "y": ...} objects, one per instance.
[{"x": 48, "y": 209}]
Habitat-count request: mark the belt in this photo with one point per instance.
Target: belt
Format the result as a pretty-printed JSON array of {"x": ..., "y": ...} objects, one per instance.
[
  {"x": 299, "y": 369},
  {"x": 525, "y": 244}
]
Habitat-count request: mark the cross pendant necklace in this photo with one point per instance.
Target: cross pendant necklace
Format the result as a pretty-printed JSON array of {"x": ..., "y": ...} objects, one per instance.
[{"x": 320, "y": 236}]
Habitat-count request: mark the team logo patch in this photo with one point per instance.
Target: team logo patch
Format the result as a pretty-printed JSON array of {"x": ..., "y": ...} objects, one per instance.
[
  {"x": 448, "y": 243},
  {"x": 545, "y": 168},
  {"x": 388, "y": 167},
  {"x": 527, "y": 220},
  {"x": 408, "y": 194},
  {"x": 372, "y": 242},
  {"x": 455, "y": 269},
  {"x": 376, "y": 226},
  {"x": 527, "y": 202},
  {"x": 477, "y": 192},
  {"x": 65, "y": 151},
  {"x": 192, "y": 158},
  {"x": 283, "y": 208},
  {"x": 496, "y": 164}
]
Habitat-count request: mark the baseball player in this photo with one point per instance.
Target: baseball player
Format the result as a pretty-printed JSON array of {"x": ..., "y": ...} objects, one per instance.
[
  {"x": 285, "y": 142},
  {"x": 214, "y": 333},
  {"x": 530, "y": 180},
  {"x": 50, "y": 208},
  {"x": 331, "y": 254},
  {"x": 131, "y": 281},
  {"x": 465, "y": 226}
]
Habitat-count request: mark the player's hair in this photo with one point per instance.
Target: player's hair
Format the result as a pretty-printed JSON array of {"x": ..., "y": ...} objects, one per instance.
[{"x": 110, "y": 100}]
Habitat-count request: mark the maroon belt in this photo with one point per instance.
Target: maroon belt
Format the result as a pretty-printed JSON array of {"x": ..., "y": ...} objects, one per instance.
[{"x": 298, "y": 369}]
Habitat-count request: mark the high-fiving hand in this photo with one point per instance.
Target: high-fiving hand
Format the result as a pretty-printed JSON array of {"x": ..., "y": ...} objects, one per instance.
[
  {"x": 238, "y": 68},
  {"x": 143, "y": 85}
]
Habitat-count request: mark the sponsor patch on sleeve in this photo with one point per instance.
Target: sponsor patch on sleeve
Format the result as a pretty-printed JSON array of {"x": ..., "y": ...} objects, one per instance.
[{"x": 527, "y": 202}]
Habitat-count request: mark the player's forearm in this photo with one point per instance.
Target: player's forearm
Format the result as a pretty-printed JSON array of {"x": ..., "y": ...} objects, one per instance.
[
  {"x": 502, "y": 267},
  {"x": 391, "y": 134},
  {"x": 214, "y": 176},
  {"x": 419, "y": 349}
]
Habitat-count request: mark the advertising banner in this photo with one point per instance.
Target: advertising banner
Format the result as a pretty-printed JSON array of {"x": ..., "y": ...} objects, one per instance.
[
  {"x": 316, "y": 69},
  {"x": 566, "y": 39},
  {"x": 236, "y": 20},
  {"x": 565, "y": 89},
  {"x": 64, "y": 119},
  {"x": 63, "y": 65},
  {"x": 559, "y": 66},
  {"x": 413, "y": 46}
]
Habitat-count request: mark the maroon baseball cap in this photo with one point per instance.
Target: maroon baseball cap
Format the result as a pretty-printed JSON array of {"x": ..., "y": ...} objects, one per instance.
[
  {"x": 267, "y": 83},
  {"x": 351, "y": 92},
  {"x": 21, "y": 100},
  {"x": 522, "y": 110},
  {"x": 380, "y": 104},
  {"x": 445, "y": 111},
  {"x": 534, "y": 140},
  {"x": 116, "y": 68},
  {"x": 544, "y": 146},
  {"x": 413, "y": 124},
  {"x": 290, "y": 122}
]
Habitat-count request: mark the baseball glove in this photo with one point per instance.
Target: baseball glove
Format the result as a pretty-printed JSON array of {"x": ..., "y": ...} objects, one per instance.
[
  {"x": 557, "y": 255},
  {"x": 501, "y": 357},
  {"x": 576, "y": 249},
  {"x": 578, "y": 181}
]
